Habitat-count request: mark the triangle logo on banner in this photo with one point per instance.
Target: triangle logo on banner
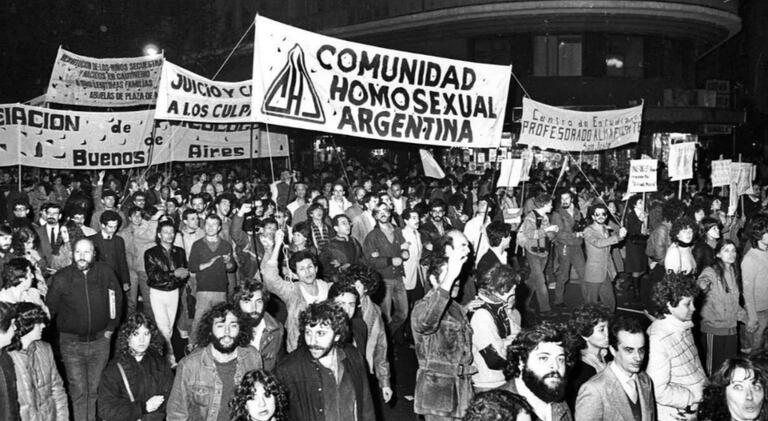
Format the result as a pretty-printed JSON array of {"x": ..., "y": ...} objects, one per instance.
[{"x": 292, "y": 94}]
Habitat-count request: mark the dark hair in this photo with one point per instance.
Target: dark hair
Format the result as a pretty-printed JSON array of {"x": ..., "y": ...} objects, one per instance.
[
  {"x": 160, "y": 227},
  {"x": 367, "y": 276},
  {"x": 7, "y": 315},
  {"x": 303, "y": 229},
  {"x": 437, "y": 203},
  {"x": 622, "y": 324},
  {"x": 672, "y": 288},
  {"x": 15, "y": 271},
  {"x": 672, "y": 209},
  {"x": 187, "y": 212},
  {"x": 528, "y": 340},
  {"x": 338, "y": 288},
  {"x": 324, "y": 313},
  {"x": 219, "y": 311},
  {"x": 313, "y": 207},
  {"x": 23, "y": 235},
  {"x": 271, "y": 221},
  {"x": 633, "y": 200},
  {"x": 246, "y": 290},
  {"x": 75, "y": 233},
  {"x": 109, "y": 215},
  {"x": 681, "y": 223},
  {"x": 583, "y": 321},
  {"x": 714, "y": 405},
  {"x": 131, "y": 325},
  {"x": 756, "y": 228},
  {"x": 595, "y": 207},
  {"x": 499, "y": 279},
  {"x": 497, "y": 405},
  {"x": 299, "y": 256},
  {"x": 6, "y": 229},
  {"x": 50, "y": 205},
  {"x": 408, "y": 211},
  {"x": 246, "y": 390},
  {"x": 27, "y": 316},
  {"x": 367, "y": 198},
  {"x": 338, "y": 218},
  {"x": 719, "y": 267},
  {"x": 497, "y": 231},
  {"x": 214, "y": 217}
]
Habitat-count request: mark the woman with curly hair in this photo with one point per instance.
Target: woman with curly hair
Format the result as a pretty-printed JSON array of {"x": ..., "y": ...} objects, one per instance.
[
  {"x": 736, "y": 392},
  {"x": 136, "y": 383},
  {"x": 26, "y": 243},
  {"x": 499, "y": 405},
  {"x": 259, "y": 397},
  {"x": 679, "y": 257},
  {"x": 588, "y": 329}
]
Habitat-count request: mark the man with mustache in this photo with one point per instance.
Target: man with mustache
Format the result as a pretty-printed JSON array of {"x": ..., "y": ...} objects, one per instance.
[
  {"x": 6, "y": 238},
  {"x": 86, "y": 300},
  {"x": 268, "y": 333},
  {"x": 206, "y": 379},
  {"x": 536, "y": 366},
  {"x": 326, "y": 377},
  {"x": 622, "y": 392}
]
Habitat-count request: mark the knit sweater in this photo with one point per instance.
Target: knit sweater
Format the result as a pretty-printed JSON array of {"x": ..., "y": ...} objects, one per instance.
[
  {"x": 214, "y": 277},
  {"x": 754, "y": 266}
]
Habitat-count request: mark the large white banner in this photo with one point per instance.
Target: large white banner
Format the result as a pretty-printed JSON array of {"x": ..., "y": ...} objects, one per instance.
[
  {"x": 551, "y": 127},
  {"x": 186, "y": 96},
  {"x": 104, "y": 82},
  {"x": 310, "y": 81},
  {"x": 721, "y": 172},
  {"x": 681, "y": 161}
]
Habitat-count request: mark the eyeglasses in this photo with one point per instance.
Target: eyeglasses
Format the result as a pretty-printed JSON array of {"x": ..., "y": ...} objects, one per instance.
[{"x": 600, "y": 214}]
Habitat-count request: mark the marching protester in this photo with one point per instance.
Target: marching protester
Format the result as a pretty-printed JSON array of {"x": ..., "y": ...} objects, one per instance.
[
  {"x": 568, "y": 243},
  {"x": 260, "y": 397},
  {"x": 267, "y": 333},
  {"x": 600, "y": 270},
  {"x": 589, "y": 328}
]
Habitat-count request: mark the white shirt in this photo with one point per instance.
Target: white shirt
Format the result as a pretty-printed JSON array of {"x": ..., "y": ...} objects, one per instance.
[
  {"x": 322, "y": 292},
  {"x": 628, "y": 382},
  {"x": 411, "y": 266},
  {"x": 336, "y": 207},
  {"x": 258, "y": 331},
  {"x": 475, "y": 229},
  {"x": 542, "y": 409}
]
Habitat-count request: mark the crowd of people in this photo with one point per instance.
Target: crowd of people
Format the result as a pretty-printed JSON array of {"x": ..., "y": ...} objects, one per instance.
[{"x": 223, "y": 295}]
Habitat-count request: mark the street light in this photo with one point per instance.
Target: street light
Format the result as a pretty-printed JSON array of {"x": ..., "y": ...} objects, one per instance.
[{"x": 151, "y": 50}]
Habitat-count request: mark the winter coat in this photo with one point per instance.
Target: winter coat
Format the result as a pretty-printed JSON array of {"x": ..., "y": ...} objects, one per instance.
[
  {"x": 599, "y": 264},
  {"x": 138, "y": 239},
  {"x": 39, "y": 386},
  {"x": 149, "y": 377},
  {"x": 720, "y": 312}
]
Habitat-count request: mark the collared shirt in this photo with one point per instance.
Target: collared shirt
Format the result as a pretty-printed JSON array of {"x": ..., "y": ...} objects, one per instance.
[
  {"x": 337, "y": 391},
  {"x": 628, "y": 381},
  {"x": 411, "y": 266},
  {"x": 258, "y": 332},
  {"x": 542, "y": 409}
]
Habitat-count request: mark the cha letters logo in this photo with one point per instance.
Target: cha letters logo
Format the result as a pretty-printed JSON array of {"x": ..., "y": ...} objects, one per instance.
[{"x": 292, "y": 94}]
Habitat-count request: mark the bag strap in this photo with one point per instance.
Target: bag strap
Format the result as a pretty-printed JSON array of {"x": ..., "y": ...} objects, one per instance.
[{"x": 125, "y": 381}]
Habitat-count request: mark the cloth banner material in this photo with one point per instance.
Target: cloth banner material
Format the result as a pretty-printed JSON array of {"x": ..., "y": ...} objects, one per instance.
[
  {"x": 186, "y": 96},
  {"x": 681, "y": 160},
  {"x": 431, "y": 167},
  {"x": 510, "y": 173},
  {"x": 642, "y": 175},
  {"x": 551, "y": 127},
  {"x": 721, "y": 172},
  {"x": 104, "y": 82},
  {"x": 310, "y": 81},
  {"x": 42, "y": 137},
  {"x": 742, "y": 174}
]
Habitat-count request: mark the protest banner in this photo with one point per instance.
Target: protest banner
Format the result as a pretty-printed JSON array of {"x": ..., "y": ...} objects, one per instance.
[
  {"x": 527, "y": 162},
  {"x": 186, "y": 96},
  {"x": 680, "y": 165},
  {"x": 642, "y": 175},
  {"x": 549, "y": 127},
  {"x": 721, "y": 172},
  {"x": 310, "y": 81},
  {"x": 741, "y": 176},
  {"x": 104, "y": 82},
  {"x": 510, "y": 173}
]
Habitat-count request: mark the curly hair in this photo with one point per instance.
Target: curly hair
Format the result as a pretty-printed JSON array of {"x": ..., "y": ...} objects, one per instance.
[
  {"x": 497, "y": 405},
  {"x": 15, "y": 271},
  {"x": 714, "y": 406},
  {"x": 497, "y": 231},
  {"x": 528, "y": 340},
  {"x": 672, "y": 288},
  {"x": 582, "y": 324},
  {"x": 27, "y": 316},
  {"x": 246, "y": 391},
  {"x": 325, "y": 313},
  {"x": 246, "y": 290},
  {"x": 681, "y": 223},
  {"x": 219, "y": 311},
  {"x": 499, "y": 279},
  {"x": 367, "y": 276},
  {"x": 623, "y": 324},
  {"x": 302, "y": 255},
  {"x": 338, "y": 288},
  {"x": 633, "y": 200},
  {"x": 672, "y": 209},
  {"x": 131, "y": 325},
  {"x": 23, "y": 235},
  {"x": 757, "y": 227}
]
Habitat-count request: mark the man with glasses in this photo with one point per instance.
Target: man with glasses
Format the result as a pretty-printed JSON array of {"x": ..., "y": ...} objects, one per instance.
[{"x": 600, "y": 270}]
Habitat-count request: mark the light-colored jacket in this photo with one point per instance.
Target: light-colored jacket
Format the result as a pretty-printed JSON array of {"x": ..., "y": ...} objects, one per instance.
[
  {"x": 754, "y": 266},
  {"x": 376, "y": 347},
  {"x": 602, "y": 398},
  {"x": 720, "y": 312},
  {"x": 599, "y": 264},
  {"x": 138, "y": 239},
  {"x": 38, "y": 383}
]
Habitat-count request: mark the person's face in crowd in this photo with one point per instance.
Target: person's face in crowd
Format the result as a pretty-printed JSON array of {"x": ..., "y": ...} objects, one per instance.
[
  {"x": 198, "y": 204},
  {"x": 212, "y": 227},
  {"x": 460, "y": 245},
  {"x": 192, "y": 221},
  {"x": 397, "y": 191},
  {"x": 368, "y": 185},
  {"x": 317, "y": 215},
  {"x": 165, "y": 192},
  {"x": 224, "y": 207},
  {"x": 301, "y": 191},
  {"x": 239, "y": 188},
  {"x": 437, "y": 214},
  {"x": 716, "y": 205},
  {"x": 258, "y": 208},
  {"x": 29, "y": 245},
  {"x": 7, "y": 336},
  {"x": 699, "y": 215},
  {"x": 139, "y": 340},
  {"x": 360, "y": 288},
  {"x": 83, "y": 255},
  {"x": 281, "y": 218},
  {"x": 685, "y": 235},
  {"x": 253, "y": 306},
  {"x": 217, "y": 178},
  {"x": 136, "y": 218},
  {"x": 630, "y": 351},
  {"x": 727, "y": 254},
  {"x": 298, "y": 239},
  {"x": 338, "y": 192},
  {"x": 683, "y": 311},
  {"x": 544, "y": 371},
  {"x": 348, "y": 302},
  {"x": 225, "y": 331},
  {"x": 714, "y": 232},
  {"x": 386, "y": 200},
  {"x": 599, "y": 336},
  {"x": 210, "y": 190},
  {"x": 20, "y": 211},
  {"x": 547, "y": 208},
  {"x": 639, "y": 206},
  {"x": 110, "y": 228},
  {"x": 270, "y": 210},
  {"x": 412, "y": 220},
  {"x": 78, "y": 219},
  {"x": 140, "y": 201},
  {"x": 383, "y": 214},
  {"x": 5, "y": 243},
  {"x": 600, "y": 215},
  {"x": 26, "y": 283},
  {"x": 306, "y": 271},
  {"x": 269, "y": 231},
  {"x": 52, "y": 216},
  {"x": 482, "y": 208},
  {"x": 170, "y": 208},
  {"x": 261, "y": 407},
  {"x": 166, "y": 235},
  {"x": 744, "y": 395},
  {"x": 327, "y": 188},
  {"x": 372, "y": 203},
  {"x": 36, "y": 333},
  {"x": 344, "y": 227},
  {"x": 323, "y": 202},
  {"x": 565, "y": 200},
  {"x": 320, "y": 339},
  {"x": 505, "y": 241},
  {"x": 108, "y": 201}
]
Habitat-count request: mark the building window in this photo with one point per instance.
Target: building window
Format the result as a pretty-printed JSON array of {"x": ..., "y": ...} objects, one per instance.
[
  {"x": 557, "y": 55},
  {"x": 624, "y": 56}
]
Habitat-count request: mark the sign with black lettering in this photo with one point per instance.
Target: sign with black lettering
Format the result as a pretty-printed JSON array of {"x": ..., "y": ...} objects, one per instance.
[
  {"x": 642, "y": 175},
  {"x": 310, "y": 81},
  {"x": 556, "y": 128},
  {"x": 186, "y": 96},
  {"x": 104, "y": 82}
]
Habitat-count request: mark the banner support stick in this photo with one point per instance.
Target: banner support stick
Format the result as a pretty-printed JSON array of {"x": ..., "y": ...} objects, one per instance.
[
  {"x": 250, "y": 155},
  {"x": 680, "y": 189},
  {"x": 19, "y": 177}
]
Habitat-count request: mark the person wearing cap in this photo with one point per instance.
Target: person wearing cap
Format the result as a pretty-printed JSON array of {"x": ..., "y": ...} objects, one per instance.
[
  {"x": 104, "y": 199},
  {"x": 534, "y": 236}
]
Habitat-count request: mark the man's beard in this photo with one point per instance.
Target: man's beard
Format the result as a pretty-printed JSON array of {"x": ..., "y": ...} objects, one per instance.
[
  {"x": 326, "y": 351},
  {"x": 224, "y": 349},
  {"x": 51, "y": 221},
  {"x": 541, "y": 390},
  {"x": 83, "y": 264},
  {"x": 256, "y": 317}
]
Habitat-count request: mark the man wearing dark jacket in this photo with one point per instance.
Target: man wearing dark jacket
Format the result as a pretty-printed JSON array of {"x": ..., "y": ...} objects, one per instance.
[
  {"x": 326, "y": 380},
  {"x": 86, "y": 300},
  {"x": 342, "y": 250},
  {"x": 110, "y": 248}
]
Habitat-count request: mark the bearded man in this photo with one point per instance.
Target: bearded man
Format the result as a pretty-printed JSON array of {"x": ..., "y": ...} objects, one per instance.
[
  {"x": 536, "y": 366},
  {"x": 86, "y": 299},
  {"x": 206, "y": 379},
  {"x": 267, "y": 332}
]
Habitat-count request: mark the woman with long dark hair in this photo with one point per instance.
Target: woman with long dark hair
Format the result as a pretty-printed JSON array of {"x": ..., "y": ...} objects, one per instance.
[
  {"x": 259, "y": 397},
  {"x": 736, "y": 392}
]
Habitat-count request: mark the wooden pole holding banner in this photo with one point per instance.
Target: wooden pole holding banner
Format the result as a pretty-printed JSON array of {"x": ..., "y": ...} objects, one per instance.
[
  {"x": 250, "y": 157},
  {"x": 680, "y": 189},
  {"x": 19, "y": 177},
  {"x": 741, "y": 196}
]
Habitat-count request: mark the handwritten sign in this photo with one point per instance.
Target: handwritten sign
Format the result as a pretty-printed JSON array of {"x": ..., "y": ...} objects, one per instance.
[
  {"x": 642, "y": 175},
  {"x": 681, "y": 160},
  {"x": 721, "y": 172}
]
